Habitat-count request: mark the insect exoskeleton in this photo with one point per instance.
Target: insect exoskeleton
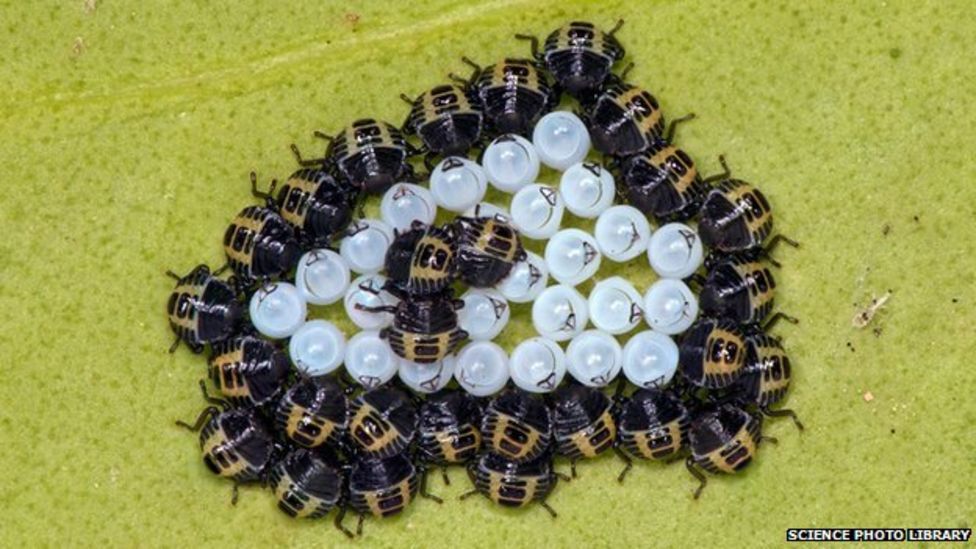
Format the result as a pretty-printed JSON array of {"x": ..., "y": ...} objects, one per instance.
[
  {"x": 383, "y": 487},
  {"x": 372, "y": 155},
  {"x": 248, "y": 370},
  {"x": 312, "y": 413},
  {"x": 738, "y": 287},
  {"x": 449, "y": 428},
  {"x": 316, "y": 206},
  {"x": 583, "y": 422},
  {"x": 235, "y": 443},
  {"x": 307, "y": 483},
  {"x": 579, "y": 56},
  {"x": 513, "y": 483},
  {"x": 663, "y": 181},
  {"x": 383, "y": 422},
  {"x": 260, "y": 245},
  {"x": 766, "y": 377},
  {"x": 517, "y": 426},
  {"x": 422, "y": 260},
  {"x": 653, "y": 424},
  {"x": 513, "y": 94},
  {"x": 488, "y": 248},
  {"x": 424, "y": 330},
  {"x": 624, "y": 120},
  {"x": 724, "y": 440},
  {"x": 447, "y": 119},
  {"x": 202, "y": 309},
  {"x": 712, "y": 353},
  {"x": 736, "y": 217}
]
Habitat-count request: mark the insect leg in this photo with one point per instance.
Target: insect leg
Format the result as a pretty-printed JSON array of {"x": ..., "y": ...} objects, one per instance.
[
  {"x": 204, "y": 416},
  {"x": 702, "y": 481},
  {"x": 782, "y": 413}
]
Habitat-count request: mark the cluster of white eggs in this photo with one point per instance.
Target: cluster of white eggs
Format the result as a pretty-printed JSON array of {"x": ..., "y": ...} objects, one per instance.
[{"x": 560, "y": 312}]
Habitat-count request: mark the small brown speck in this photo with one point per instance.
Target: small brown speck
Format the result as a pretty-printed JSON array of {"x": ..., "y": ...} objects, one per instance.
[
  {"x": 352, "y": 18},
  {"x": 892, "y": 431},
  {"x": 868, "y": 396},
  {"x": 78, "y": 47},
  {"x": 877, "y": 332},
  {"x": 886, "y": 229},
  {"x": 915, "y": 218},
  {"x": 955, "y": 300}
]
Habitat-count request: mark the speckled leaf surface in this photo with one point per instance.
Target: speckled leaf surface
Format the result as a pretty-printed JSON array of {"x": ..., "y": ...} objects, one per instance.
[{"x": 128, "y": 132}]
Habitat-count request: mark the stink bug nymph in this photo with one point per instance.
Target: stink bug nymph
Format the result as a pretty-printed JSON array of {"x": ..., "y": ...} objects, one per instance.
[
  {"x": 517, "y": 426},
  {"x": 579, "y": 56},
  {"x": 663, "y": 181},
  {"x": 307, "y": 484},
  {"x": 488, "y": 248},
  {"x": 260, "y": 244},
  {"x": 512, "y": 483},
  {"x": 712, "y": 353},
  {"x": 449, "y": 429},
  {"x": 201, "y": 308},
  {"x": 235, "y": 443},
  {"x": 315, "y": 205},
  {"x": 371, "y": 155},
  {"x": 723, "y": 441},
  {"x": 767, "y": 374},
  {"x": 624, "y": 120},
  {"x": 384, "y": 487},
  {"x": 583, "y": 423},
  {"x": 736, "y": 217},
  {"x": 446, "y": 119},
  {"x": 248, "y": 370},
  {"x": 312, "y": 413},
  {"x": 653, "y": 424},
  {"x": 513, "y": 94},
  {"x": 424, "y": 330},
  {"x": 382, "y": 422},
  {"x": 421, "y": 261},
  {"x": 739, "y": 288}
]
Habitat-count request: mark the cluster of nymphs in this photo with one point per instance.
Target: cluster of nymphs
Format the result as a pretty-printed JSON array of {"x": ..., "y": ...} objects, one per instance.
[{"x": 328, "y": 423}]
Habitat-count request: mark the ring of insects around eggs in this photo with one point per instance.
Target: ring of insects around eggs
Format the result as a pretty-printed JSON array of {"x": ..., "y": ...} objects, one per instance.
[{"x": 371, "y": 156}]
